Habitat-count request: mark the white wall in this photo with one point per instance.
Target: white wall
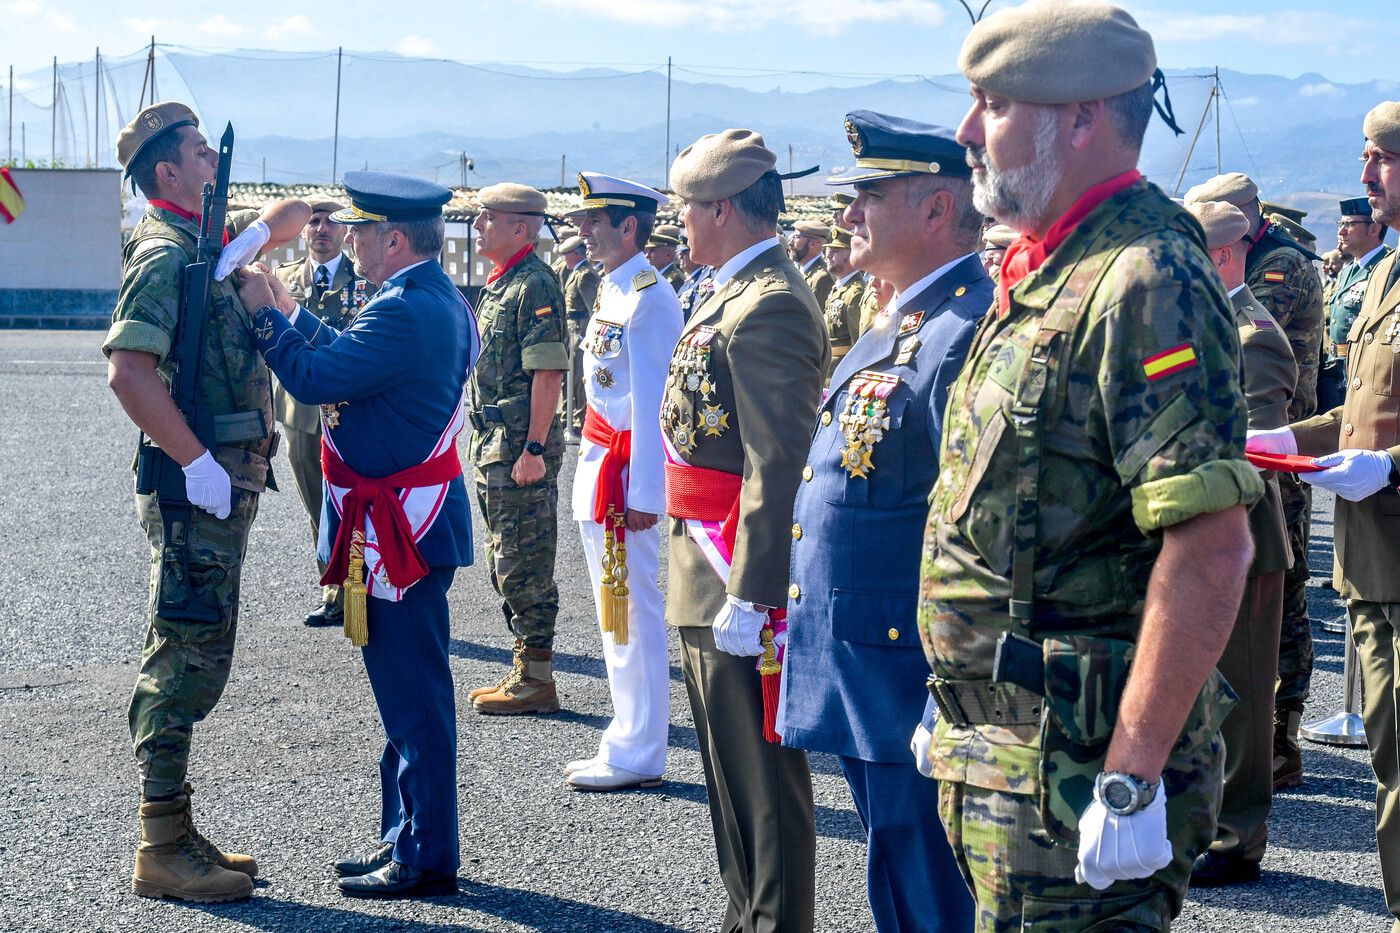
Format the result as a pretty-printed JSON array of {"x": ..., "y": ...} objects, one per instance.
[{"x": 69, "y": 236}]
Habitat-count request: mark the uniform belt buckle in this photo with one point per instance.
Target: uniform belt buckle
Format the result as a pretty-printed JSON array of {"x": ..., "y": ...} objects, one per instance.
[{"x": 947, "y": 702}]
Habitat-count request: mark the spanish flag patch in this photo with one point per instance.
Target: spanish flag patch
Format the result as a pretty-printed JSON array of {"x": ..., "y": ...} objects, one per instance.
[
  {"x": 544, "y": 311},
  {"x": 1273, "y": 278},
  {"x": 1169, "y": 361}
]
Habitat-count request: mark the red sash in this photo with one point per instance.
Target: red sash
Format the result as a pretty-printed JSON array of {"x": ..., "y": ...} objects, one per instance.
[
  {"x": 611, "y": 492},
  {"x": 704, "y": 495},
  {"x": 376, "y": 496}
]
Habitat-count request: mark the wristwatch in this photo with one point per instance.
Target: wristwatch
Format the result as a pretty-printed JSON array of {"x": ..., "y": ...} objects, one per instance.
[
  {"x": 1123, "y": 793},
  {"x": 534, "y": 448}
]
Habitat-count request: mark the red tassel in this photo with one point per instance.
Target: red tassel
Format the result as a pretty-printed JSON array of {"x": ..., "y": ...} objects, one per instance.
[{"x": 771, "y": 676}]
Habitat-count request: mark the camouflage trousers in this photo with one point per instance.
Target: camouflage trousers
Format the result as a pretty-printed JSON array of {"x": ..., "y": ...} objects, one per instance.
[
  {"x": 521, "y": 536},
  {"x": 1295, "y": 653},
  {"x": 185, "y": 664}
]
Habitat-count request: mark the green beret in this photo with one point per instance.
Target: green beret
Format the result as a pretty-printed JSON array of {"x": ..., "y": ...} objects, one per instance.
[
  {"x": 1051, "y": 52},
  {"x": 720, "y": 165},
  {"x": 149, "y": 125},
  {"x": 1382, "y": 125},
  {"x": 999, "y": 236},
  {"x": 1224, "y": 223},
  {"x": 1233, "y": 188},
  {"x": 508, "y": 197}
]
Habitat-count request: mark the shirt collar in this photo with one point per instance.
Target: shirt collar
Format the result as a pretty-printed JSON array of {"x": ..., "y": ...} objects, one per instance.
[
  {"x": 1234, "y": 291},
  {"x": 849, "y": 275},
  {"x": 621, "y": 277},
  {"x": 736, "y": 262},
  {"x": 331, "y": 267},
  {"x": 807, "y": 266},
  {"x": 901, "y": 299},
  {"x": 1369, "y": 256}
]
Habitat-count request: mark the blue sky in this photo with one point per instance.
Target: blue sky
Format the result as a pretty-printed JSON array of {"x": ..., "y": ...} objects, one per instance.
[{"x": 1346, "y": 42}]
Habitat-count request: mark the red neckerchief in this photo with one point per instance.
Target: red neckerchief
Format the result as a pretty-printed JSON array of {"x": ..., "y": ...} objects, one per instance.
[
  {"x": 1258, "y": 235},
  {"x": 179, "y": 211},
  {"x": 513, "y": 261},
  {"x": 1025, "y": 254}
]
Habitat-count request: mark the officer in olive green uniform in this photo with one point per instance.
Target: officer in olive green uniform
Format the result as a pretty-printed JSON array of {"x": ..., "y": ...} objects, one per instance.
[
  {"x": 1087, "y": 451},
  {"x": 661, "y": 253},
  {"x": 1281, "y": 275},
  {"x": 560, "y": 264},
  {"x": 517, "y": 446},
  {"x": 877, "y": 295},
  {"x": 805, "y": 248},
  {"x": 186, "y": 662},
  {"x": 1270, "y": 375},
  {"x": 332, "y": 290},
  {"x": 1363, "y": 475},
  {"x": 839, "y": 203},
  {"x": 581, "y": 283},
  {"x": 995, "y": 240},
  {"x": 842, "y": 311}
]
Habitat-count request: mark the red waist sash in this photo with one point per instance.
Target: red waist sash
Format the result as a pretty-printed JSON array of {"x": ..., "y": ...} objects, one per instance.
[
  {"x": 611, "y": 493},
  {"x": 705, "y": 495}
]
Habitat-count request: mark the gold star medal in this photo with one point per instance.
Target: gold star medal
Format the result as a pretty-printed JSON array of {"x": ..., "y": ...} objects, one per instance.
[{"x": 715, "y": 419}]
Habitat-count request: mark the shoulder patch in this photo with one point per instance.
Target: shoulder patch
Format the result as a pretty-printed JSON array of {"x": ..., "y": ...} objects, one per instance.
[
  {"x": 1173, "y": 360},
  {"x": 1274, "y": 277},
  {"x": 911, "y": 322},
  {"x": 644, "y": 279},
  {"x": 544, "y": 310}
]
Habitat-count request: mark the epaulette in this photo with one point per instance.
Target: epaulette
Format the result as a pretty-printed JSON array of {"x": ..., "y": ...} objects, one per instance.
[
  {"x": 289, "y": 263},
  {"x": 1282, "y": 238},
  {"x": 644, "y": 279}
]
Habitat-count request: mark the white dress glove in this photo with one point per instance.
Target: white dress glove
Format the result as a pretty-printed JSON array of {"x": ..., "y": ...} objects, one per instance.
[
  {"x": 1122, "y": 848},
  {"x": 1272, "y": 441},
  {"x": 1352, "y": 474},
  {"x": 919, "y": 746},
  {"x": 737, "y": 626},
  {"x": 242, "y": 249},
  {"x": 207, "y": 486}
]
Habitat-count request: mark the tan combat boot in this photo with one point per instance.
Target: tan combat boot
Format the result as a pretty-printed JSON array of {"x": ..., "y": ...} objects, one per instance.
[
  {"x": 172, "y": 863},
  {"x": 530, "y": 688},
  {"x": 1288, "y": 758},
  {"x": 515, "y": 667},
  {"x": 233, "y": 861}
]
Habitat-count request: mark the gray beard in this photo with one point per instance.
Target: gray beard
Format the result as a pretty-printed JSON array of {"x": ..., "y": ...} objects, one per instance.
[{"x": 1020, "y": 197}]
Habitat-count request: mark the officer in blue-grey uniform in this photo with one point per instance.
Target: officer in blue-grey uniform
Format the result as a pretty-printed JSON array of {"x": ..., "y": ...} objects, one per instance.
[
  {"x": 853, "y": 679},
  {"x": 390, "y": 390}
]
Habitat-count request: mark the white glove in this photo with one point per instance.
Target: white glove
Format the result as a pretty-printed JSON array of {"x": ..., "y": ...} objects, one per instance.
[
  {"x": 242, "y": 249},
  {"x": 1272, "y": 441},
  {"x": 919, "y": 746},
  {"x": 737, "y": 626},
  {"x": 207, "y": 486},
  {"x": 1122, "y": 848},
  {"x": 1352, "y": 474}
]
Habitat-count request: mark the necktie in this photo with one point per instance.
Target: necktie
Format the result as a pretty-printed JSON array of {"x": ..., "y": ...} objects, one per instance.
[{"x": 323, "y": 280}]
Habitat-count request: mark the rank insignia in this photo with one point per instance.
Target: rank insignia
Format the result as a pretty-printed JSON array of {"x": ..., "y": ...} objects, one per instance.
[
  {"x": 1161, "y": 365},
  {"x": 264, "y": 329},
  {"x": 604, "y": 377},
  {"x": 1273, "y": 278},
  {"x": 683, "y": 435},
  {"x": 330, "y": 414},
  {"x": 865, "y": 419},
  {"x": 1262, "y": 323},
  {"x": 911, "y": 322},
  {"x": 907, "y": 348},
  {"x": 715, "y": 419},
  {"x": 644, "y": 279}
]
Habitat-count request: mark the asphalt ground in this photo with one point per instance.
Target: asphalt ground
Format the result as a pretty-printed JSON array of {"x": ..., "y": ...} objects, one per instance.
[{"x": 286, "y": 767}]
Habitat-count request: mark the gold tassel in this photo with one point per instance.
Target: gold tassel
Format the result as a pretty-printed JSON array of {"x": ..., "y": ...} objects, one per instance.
[
  {"x": 356, "y": 613},
  {"x": 606, "y": 580},
  {"x": 620, "y": 591}
]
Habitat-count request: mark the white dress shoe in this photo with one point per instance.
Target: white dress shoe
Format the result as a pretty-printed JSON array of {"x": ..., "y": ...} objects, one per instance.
[
  {"x": 602, "y": 776},
  {"x": 580, "y": 764}
]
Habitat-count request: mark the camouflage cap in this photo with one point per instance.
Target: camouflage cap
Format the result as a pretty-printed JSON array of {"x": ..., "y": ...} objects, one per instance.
[
  {"x": 665, "y": 235},
  {"x": 1382, "y": 125},
  {"x": 840, "y": 238},
  {"x": 149, "y": 125},
  {"x": 1233, "y": 188},
  {"x": 509, "y": 197},
  {"x": 1224, "y": 223},
  {"x": 814, "y": 229},
  {"x": 720, "y": 165},
  {"x": 1052, "y": 52},
  {"x": 999, "y": 236}
]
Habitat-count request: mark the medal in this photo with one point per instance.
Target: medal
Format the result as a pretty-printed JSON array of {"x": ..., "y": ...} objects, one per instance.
[
  {"x": 684, "y": 438},
  {"x": 604, "y": 377},
  {"x": 865, "y": 419},
  {"x": 330, "y": 414},
  {"x": 715, "y": 419}
]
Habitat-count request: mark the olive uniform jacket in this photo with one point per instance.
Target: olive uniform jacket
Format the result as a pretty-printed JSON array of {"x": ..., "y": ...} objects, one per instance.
[
  {"x": 335, "y": 306},
  {"x": 1367, "y": 546},
  {"x": 768, "y": 357},
  {"x": 1270, "y": 375},
  {"x": 819, "y": 279}
]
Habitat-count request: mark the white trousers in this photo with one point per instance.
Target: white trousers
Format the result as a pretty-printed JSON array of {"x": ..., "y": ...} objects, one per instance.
[{"x": 639, "y": 675}]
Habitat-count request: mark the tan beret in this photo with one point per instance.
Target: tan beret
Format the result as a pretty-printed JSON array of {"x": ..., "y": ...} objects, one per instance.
[
  {"x": 568, "y": 245},
  {"x": 720, "y": 165},
  {"x": 151, "y": 124},
  {"x": 508, "y": 197},
  {"x": 1233, "y": 188},
  {"x": 1382, "y": 125},
  {"x": 1054, "y": 52},
  {"x": 324, "y": 204},
  {"x": 1224, "y": 223},
  {"x": 665, "y": 235},
  {"x": 814, "y": 229},
  {"x": 840, "y": 238},
  {"x": 999, "y": 235},
  {"x": 564, "y": 233}
]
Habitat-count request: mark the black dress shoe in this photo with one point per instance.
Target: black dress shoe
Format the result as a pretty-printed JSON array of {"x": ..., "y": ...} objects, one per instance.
[
  {"x": 323, "y": 616},
  {"x": 362, "y": 863},
  {"x": 1213, "y": 870},
  {"x": 399, "y": 880}
]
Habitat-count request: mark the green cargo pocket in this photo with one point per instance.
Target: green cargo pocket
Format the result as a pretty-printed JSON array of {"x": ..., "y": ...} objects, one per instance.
[{"x": 1148, "y": 912}]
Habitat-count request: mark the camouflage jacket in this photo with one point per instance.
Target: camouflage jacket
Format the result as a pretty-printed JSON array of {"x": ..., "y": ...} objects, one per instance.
[
  {"x": 1284, "y": 281},
  {"x": 521, "y": 316},
  {"x": 234, "y": 384},
  {"x": 1141, "y": 426}
]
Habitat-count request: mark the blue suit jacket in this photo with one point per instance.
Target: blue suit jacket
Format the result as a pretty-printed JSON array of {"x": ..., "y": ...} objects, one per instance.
[
  {"x": 396, "y": 376},
  {"x": 855, "y": 670}
]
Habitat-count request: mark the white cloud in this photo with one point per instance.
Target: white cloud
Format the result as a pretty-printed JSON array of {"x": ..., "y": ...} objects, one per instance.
[
  {"x": 1282, "y": 27},
  {"x": 60, "y": 21},
  {"x": 220, "y": 25},
  {"x": 292, "y": 25},
  {"x": 22, "y": 6},
  {"x": 823, "y": 17},
  {"x": 416, "y": 46},
  {"x": 1321, "y": 89},
  {"x": 146, "y": 27}
]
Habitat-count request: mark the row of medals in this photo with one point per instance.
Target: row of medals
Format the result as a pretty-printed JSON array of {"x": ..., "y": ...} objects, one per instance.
[
  {"x": 604, "y": 340},
  {"x": 865, "y": 419},
  {"x": 352, "y": 299},
  {"x": 691, "y": 372}
]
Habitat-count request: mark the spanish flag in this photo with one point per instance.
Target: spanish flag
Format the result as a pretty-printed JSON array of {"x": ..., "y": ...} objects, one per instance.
[
  {"x": 1170, "y": 361},
  {"x": 11, "y": 201}
]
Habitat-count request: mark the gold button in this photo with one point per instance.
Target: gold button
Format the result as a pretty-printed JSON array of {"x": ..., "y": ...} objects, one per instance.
[
  {"x": 796, "y": 532},
  {"x": 826, "y": 417},
  {"x": 894, "y": 634},
  {"x": 957, "y": 293},
  {"x": 1348, "y": 429},
  {"x": 1356, "y": 383},
  {"x": 794, "y": 591},
  {"x": 806, "y": 474}
]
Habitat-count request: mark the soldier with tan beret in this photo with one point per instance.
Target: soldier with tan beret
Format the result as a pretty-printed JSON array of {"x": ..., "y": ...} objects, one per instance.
[
  {"x": 995, "y": 240},
  {"x": 809, "y": 239}
]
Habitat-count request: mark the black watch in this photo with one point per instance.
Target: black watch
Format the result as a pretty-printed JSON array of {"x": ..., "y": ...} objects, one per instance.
[
  {"x": 534, "y": 448},
  {"x": 1123, "y": 793}
]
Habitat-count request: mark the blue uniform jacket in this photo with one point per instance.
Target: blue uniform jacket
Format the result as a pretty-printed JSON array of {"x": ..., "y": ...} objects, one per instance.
[
  {"x": 395, "y": 376},
  {"x": 855, "y": 671}
]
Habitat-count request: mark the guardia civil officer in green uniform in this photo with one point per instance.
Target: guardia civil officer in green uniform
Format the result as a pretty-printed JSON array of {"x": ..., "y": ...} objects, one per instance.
[
  {"x": 1363, "y": 239},
  {"x": 1090, "y": 501},
  {"x": 805, "y": 248},
  {"x": 842, "y": 310},
  {"x": 325, "y": 283},
  {"x": 185, "y": 664},
  {"x": 1270, "y": 375},
  {"x": 1356, "y": 443},
  {"x": 517, "y": 444},
  {"x": 660, "y": 251}
]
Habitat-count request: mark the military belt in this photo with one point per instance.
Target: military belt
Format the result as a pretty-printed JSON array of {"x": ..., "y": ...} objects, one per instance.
[
  {"x": 984, "y": 702},
  {"x": 240, "y": 426},
  {"x": 486, "y": 414}
]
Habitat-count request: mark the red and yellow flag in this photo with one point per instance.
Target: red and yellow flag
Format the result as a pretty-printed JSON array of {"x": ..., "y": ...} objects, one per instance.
[
  {"x": 1170, "y": 361},
  {"x": 11, "y": 201}
]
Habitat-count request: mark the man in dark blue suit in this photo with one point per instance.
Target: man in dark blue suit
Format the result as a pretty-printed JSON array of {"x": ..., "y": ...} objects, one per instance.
[
  {"x": 853, "y": 678},
  {"x": 396, "y": 519}
]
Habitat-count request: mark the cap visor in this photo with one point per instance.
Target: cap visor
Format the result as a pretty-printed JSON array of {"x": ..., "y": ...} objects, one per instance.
[
  {"x": 856, "y": 175},
  {"x": 349, "y": 218}
]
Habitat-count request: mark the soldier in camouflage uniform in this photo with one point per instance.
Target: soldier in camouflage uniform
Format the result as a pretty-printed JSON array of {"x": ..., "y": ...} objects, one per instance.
[
  {"x": 1092, "y": 460},
  {"x": 518, "y": 443},
  {"x": 842, "y": 311},
  {"x": 185, "y": 664}
]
